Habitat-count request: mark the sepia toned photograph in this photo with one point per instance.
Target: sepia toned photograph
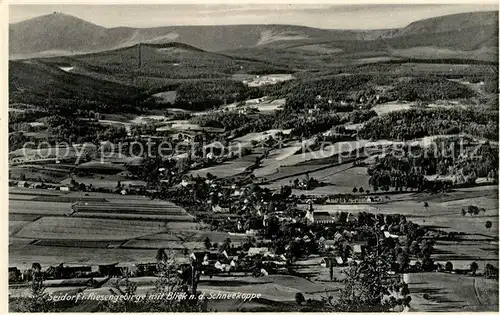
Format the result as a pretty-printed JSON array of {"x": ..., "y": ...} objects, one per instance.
[{"x": 253, "y": 157}]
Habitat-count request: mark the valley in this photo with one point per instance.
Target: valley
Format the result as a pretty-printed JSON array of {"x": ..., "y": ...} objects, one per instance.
[{"x": 300, "y": 164}]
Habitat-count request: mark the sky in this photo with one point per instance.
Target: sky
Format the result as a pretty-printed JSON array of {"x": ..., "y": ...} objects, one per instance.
[{"x": 328, "y": 16}]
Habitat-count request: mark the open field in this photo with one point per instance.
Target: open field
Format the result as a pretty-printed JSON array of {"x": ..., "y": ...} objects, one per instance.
[
  {"x": 300, "y": 153},
  {"x": 268, "y": 79},
  {"x": 133, "y": 216},
  {"x": 452, "y": 292},
  {"x": 389, "y": 107},
  {"x": 153, "y": 244},
  {"x": 87, "y": 229},
  {"x": 52, "y": 152},
  {"x": 38, "y": 173},
  {"x": 338, "y": 179},
  {"x": 40, "y": 230},
  {"x": 479, "y": 244},
  {"x": 99, "y": 167},
  {"x": 111, "y": 207},
  {"x": 39, "y": 208},
  {"x": 226, "y": 169},
  {"x": 261, "y": 136},
  {"x": 440, "y": 213},
  {"x": 167, "y": 97},
  {"x": 23, "y": 255},
  {"x": 17, "y": 191},
  {"x": 261, "y": 104},
  {"x": 103, "y": 181}
]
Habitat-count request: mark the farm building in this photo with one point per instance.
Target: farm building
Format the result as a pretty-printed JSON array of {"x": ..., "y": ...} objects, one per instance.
[
  {"x": 147, "y": 269},
  {"x": 22, "y": 184},
  {"x": 68, "y": 272},
  {"x": 329, "y": 244},
  {"x": 325, "y": 262},
  {"x": 356, "y": 249},
  {"x": 220, "y": 209},
  {"x": 65, "y": 188},
  {"x": 111, "y": 270},
  {"x": 323, "y": 217}
]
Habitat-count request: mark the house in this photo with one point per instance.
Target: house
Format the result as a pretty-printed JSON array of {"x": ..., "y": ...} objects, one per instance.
[
  {"x": 22, "y": 184},
  {"x": 186, "y": 183},
  {"x": 127, "y": 174},
  {"x": 64, "y": 188},
  {"x": 68, "y": 272},
  {"x": 36, "y": 185},
  {"x": 219, "y": 209},
  {"x": 390, "y": 235},
  {"x": 111, "y": 270},
  {"x": 485, "y": 180},
  {"x": 147, "y": 269},
  {"x": 356, "y": 249},
  {"x": 251, "y": 232},
  {"x": 325, "y": 262},
  {"x": 338, "y": 261},
  {"x": 329, "y": 244},
  {"x": 199, "y": 256}
]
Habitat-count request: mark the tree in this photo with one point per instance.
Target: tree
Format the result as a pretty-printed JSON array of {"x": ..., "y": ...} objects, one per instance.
[
  {"x": 22, "y": 176},
  {"x": 207, "y": 243},
  {"x": 426, "y": 205},
  {"x": 368, "y": 285},
  {"x": 474, "y": 267},
  {"x": 361, "y": 190},
  {"x": 161, "y": 256},
  {"x": 402, "y": 260},
  {"x": 472, "y": 210},
  {"x": 38, "y": 301},
  {"x": 82, "y": 187},
  {"x": 488, "y": 224},
  {"x": 299, "y": 298},
  {"x": 173, "y": 278},
  {"x": 464, "y": 212},
  {"x": 428, "y": 264},
  {"x": 490, "y": 271},
  {"x": 448, "y": 266},
  {"x": 414, "y": 248},
  {"x": 285, "y": 191},
  {"x": 226, "y": 245},
  {"x": 354, "y": 190}
]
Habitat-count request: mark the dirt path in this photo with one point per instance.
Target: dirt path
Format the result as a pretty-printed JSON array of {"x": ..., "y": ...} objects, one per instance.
[{"x": 475, "y": 291}]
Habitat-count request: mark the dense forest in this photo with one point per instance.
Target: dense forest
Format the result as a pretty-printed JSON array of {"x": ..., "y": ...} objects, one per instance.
[
  {"x": 68, "y": 130},
  {"x": 449, "y": 157},
  {"x": 428, "y": 89},
  {"x": 417, "y": 123}
]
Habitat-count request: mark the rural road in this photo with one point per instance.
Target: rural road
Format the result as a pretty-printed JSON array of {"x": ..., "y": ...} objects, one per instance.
[{"x": 475, "y": 291}]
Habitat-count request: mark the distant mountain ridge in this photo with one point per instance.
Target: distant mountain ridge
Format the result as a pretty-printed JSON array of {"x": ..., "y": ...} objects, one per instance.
[{"x": 60, "y": 34}]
